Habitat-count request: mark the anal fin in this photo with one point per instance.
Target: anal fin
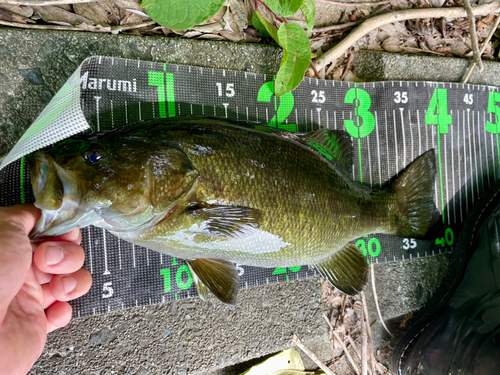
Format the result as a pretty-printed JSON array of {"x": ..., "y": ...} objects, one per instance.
[
  {"x": 218, "y": 276},
  {"x": 347, "y": 270}
]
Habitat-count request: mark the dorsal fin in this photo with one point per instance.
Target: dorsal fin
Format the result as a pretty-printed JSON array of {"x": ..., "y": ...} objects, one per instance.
[{"x": 333, "y": 145}]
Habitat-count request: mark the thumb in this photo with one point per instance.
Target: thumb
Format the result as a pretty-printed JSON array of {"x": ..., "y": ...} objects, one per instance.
[{"x": 15, "y": 250}]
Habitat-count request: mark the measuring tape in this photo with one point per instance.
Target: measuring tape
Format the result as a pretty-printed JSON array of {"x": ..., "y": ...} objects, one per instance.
[{"x": 391, "y": 124}]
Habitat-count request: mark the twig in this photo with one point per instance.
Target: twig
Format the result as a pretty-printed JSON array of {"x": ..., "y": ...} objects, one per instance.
[
  {"x": 353, "y": 4},
  {"x": 315, "y": 71},
  {"x": 40, "y": 27},
  {"x": 485, "y": 44},
  {"x": 402, "y": 15},
  {"x": 348, "y": 66},
  {"x": 423, "y": 50},
  {"x": 473, "y": 35},
  {"x": 336, "y": 27},
  {"x": 364, "y": 346},
  {"x": 353, "y": 345},
  {"x": 376, "y": 300},
  {"x": 346, "y": 351},
  {"x": 46, "y": 2},
  {"x": 325, "y": 315},
  {"x": 311, "y": 355},
  {"x": 281, "y": 19},
  {"x": 106, "y": 29},
  {"x": 369, "y": 331}
]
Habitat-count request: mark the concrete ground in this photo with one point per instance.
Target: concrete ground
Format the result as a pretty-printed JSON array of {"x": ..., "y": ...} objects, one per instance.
[{"x": 192, "y": 336}]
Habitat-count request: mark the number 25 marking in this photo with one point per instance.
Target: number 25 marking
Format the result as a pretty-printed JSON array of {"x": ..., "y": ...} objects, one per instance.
[{"x": 318, "y": 97}]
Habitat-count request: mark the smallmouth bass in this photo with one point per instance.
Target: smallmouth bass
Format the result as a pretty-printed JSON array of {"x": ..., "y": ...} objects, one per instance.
[{"x": 214, "y": 193}]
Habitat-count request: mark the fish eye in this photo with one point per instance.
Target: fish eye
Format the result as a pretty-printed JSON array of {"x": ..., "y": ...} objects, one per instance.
[{"x": 92, "y": 157}]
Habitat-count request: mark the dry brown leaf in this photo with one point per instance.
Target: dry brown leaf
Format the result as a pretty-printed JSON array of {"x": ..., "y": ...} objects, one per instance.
[
  {"x": 211, "y": 28},
  {"x": 192, "y": 34},
  {"x": 218, "y": 16},
  {"x": 5, "y": 15},
  {"x": 211, "y": 37},
  {"x": 129, "y": 4},
  {"x": 458, "y": 48},
  {"x": 102, "y": 13},
  {"x": 17, "y": 9},
  {"x": 131, "y": 18},
  {"x": 252, "y": 35},
  {"x": 53, "y": 14},
  {"x": 95, "y": 28},
  {"x": 232, "y": 37},
  {"x": 236, "y": 16}
]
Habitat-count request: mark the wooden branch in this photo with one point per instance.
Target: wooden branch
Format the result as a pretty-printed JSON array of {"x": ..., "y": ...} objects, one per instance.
[
  {"x": 311, "y": 355},
  {"x": 105, "y": 29},
  {"x": 375, "y": 297},
  {"x": 473, "y": 35},
  {"x": 485, "y": 44},
  {"x": 402, "y": 15},
  {"x": 353, "y": 4},
  {"x": 346, "y": 351},
  {"x": 46, "y": 2}
]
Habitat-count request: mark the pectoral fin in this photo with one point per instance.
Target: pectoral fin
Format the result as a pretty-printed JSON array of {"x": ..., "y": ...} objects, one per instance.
[
  {"x": 218, "y": 276},
  {"x": 226, "y": 221},
  {"x": 347, "y": 270}
]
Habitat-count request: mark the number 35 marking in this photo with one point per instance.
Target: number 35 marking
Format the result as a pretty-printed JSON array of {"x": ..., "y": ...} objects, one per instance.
[
  {"x": 401, "y": 97},
  {"x": 409, "y": 243}
]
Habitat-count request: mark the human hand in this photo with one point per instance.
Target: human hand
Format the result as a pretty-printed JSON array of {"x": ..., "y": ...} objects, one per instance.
[{"x": 36, "y": 280}]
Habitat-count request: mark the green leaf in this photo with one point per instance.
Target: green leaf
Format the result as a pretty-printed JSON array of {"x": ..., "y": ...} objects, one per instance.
[
  {"x": 259, "y": 26},
  {"x": 296, "y": 58},
  {"x": 271, "y": 30},
  {"x": 309, "y": 11},
  {"x": 284, "y": 8},
  {"x": 181, "y": 14}
]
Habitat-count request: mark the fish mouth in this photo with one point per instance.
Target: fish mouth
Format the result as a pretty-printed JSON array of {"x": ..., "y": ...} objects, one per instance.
[{"x": 58, "y": 194}]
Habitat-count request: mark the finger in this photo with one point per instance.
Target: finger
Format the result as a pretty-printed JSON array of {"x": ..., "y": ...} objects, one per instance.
[
  {"x": 23, "y": 216},
  {"x": 42, "y": 277},
  {"x": 59, "y": 257},
  {"x": 68, "y": 287},
  {"x": 74, "y": 235},
  {"x": 58, "y": 315},
  {"x": 48, "y": 298},
  {"x": 15, "y": 250}
]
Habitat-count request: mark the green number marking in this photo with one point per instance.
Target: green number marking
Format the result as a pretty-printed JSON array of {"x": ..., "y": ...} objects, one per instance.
[
  {"x": 22, "y": 180},
  {"x": 165, "y": 84},
  {"x": 281, "y": 270},
  {"x": 166, "y": 279},
  {"x": 178, "y": 278},
  {"x": 448, "y": 239},
  {"x": 437, "y": 114},
  {"x": 283, "y": 109},
  {"x": 364, "y": 121},
  {"x": 373, "y": 249},
  {"x": 174, "y": 261},
  {"x": 494, "y": 127}
]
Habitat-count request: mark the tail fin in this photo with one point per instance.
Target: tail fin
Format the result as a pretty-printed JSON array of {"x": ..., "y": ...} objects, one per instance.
[{"x": 414, "y": 196}]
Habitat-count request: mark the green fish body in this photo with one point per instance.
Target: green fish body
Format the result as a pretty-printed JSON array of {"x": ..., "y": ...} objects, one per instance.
[{"x": 215, "y": 193}]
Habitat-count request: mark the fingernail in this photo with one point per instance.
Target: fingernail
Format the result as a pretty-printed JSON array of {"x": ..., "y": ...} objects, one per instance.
[
  {"x": 69, "y": 284},
  {"x": 54, "y": 255}
]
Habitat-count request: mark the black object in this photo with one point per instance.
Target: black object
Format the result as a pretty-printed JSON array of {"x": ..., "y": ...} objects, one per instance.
[{"x": 463, "y": 336}]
